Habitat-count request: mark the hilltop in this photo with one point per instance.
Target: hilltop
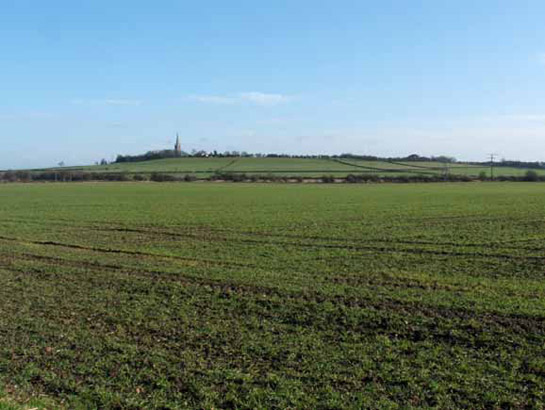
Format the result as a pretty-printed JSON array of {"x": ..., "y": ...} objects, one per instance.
[{"x": 310, "y": 167}]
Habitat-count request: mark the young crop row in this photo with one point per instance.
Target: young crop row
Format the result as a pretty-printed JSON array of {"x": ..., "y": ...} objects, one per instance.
[{"x": 273, "y": 296}]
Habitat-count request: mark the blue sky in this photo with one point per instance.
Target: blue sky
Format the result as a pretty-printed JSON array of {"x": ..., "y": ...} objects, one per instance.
[{"x": 86, "y": 80}]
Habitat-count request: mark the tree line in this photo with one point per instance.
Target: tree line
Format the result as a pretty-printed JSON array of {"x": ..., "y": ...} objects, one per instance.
[
  {"x": 83, "y": 176},
  {"x": 164, "y": 154}
]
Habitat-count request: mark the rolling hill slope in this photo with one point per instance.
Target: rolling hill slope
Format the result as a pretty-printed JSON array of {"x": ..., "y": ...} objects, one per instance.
[{"x": 303, "y": 167}]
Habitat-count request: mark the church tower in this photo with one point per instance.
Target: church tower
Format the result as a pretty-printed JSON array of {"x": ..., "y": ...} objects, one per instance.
[{"x": 178, "y": 146}]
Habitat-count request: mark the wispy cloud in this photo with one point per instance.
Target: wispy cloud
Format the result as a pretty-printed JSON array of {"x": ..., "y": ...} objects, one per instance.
[
  {"x": 117, "y": 125},
  {"x": 108, "y": 101},
  {"x": 505, "y": 119},
  {"x": 527, "y": 117},
  {"x": 33, "y": 115},
  {"x": 213, "y": 99},
  {"x": 252, "y": 97},
  {"x": 263, "y": 98}
]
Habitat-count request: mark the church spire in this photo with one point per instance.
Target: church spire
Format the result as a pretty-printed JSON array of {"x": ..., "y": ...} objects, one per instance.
[{"x": 178, "y": 146}]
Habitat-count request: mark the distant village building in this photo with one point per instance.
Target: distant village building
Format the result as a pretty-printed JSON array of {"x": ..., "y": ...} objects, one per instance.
[{"x": 178, "y": 146}]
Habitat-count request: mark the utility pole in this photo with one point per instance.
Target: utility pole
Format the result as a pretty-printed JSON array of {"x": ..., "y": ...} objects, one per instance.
[
  {"x": 446, "y": 171},
  {"x": 492, "y": 157}
]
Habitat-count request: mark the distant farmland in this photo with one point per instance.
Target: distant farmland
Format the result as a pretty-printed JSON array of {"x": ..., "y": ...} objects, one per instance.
[
  {"x": 123, "y": 295},
  {"x": 303, "y": 167}
]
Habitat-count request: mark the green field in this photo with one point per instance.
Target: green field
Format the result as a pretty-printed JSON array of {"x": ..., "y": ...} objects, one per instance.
[
  {"x": 309, "y": 296},
  {"x": 305, "y": 167}
]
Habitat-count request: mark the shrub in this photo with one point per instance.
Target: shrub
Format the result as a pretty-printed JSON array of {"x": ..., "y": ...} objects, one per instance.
[
  {"x": 23, "y": 176},
  {"x": 327, "y": 179},
  {"x": 189, "y": 178},
  {"x": 238, "y": 177},
  {"x": 10, "y": 176},
  {"x": 531, "y": 176},
  {"x": 158, "y": 177},
  {"x": 253, "y": 178}
]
